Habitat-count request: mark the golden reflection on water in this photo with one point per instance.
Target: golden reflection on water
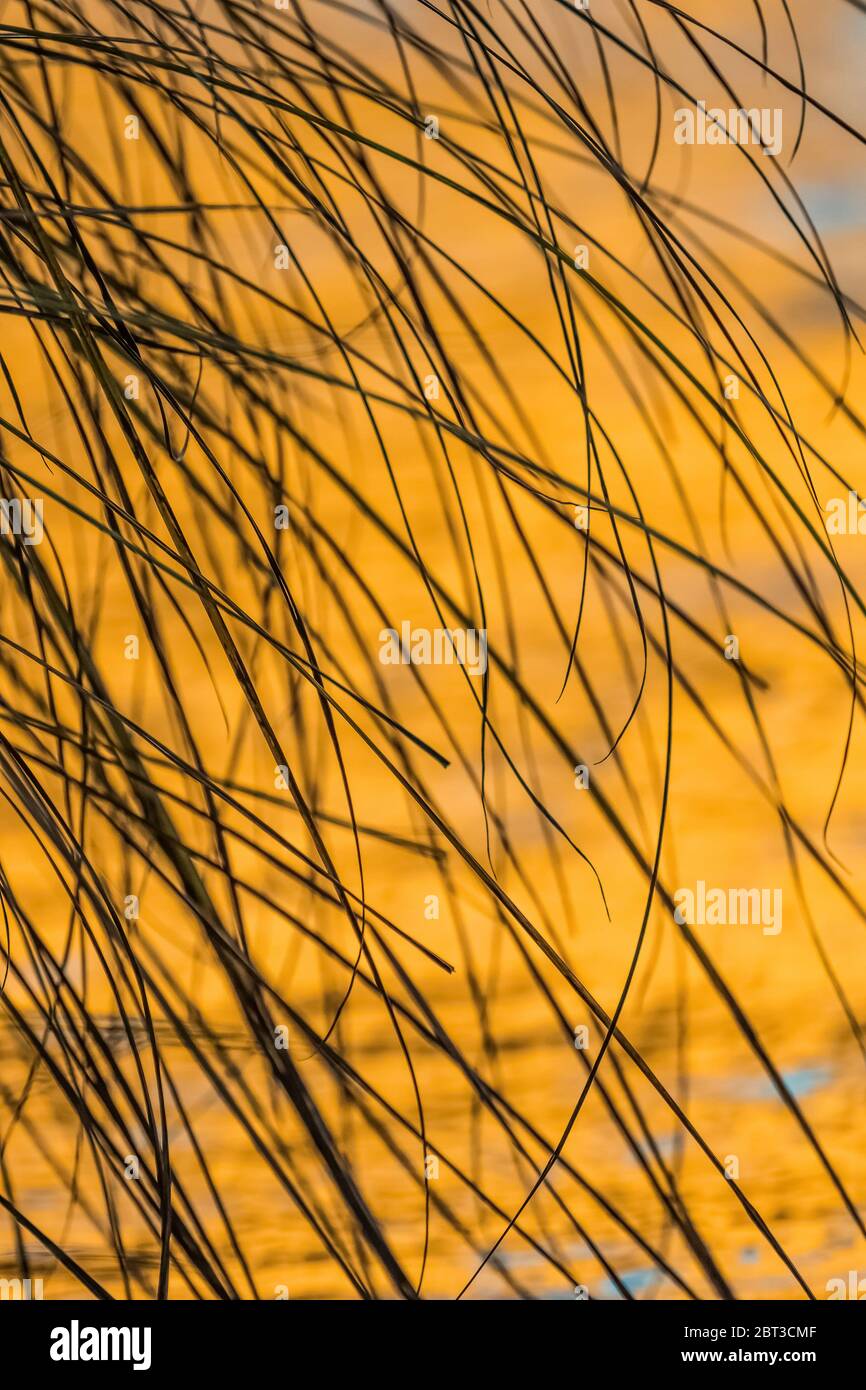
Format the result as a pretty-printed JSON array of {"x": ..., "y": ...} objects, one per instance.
[{"x": 722, "y": 827}]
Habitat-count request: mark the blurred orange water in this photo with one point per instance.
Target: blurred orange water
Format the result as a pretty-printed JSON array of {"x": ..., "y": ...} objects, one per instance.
[{"x": 720, "y": 826}]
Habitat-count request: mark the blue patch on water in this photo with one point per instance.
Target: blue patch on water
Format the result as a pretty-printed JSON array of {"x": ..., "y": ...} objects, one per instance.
[
  {"x": 635, "y": 1280},
  {"x": 800, "y": 1081},
  {"x": 834, "y": 206}
]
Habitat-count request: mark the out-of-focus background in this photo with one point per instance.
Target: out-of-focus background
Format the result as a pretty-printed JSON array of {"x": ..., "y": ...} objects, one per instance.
[{"x": 305, "y": 390}]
